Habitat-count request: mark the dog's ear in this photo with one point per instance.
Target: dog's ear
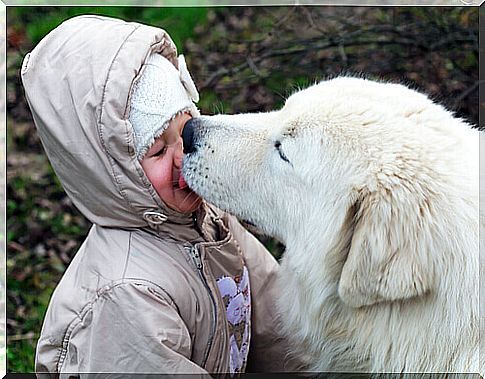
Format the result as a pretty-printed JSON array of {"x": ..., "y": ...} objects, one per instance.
[{"x": 389, "y": 251}]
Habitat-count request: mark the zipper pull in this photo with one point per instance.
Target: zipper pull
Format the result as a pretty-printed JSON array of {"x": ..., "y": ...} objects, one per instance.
[{"x": 196, "y": 257}]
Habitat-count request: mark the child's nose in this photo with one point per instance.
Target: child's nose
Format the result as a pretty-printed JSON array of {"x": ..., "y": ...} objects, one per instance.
[{"x": 178, "y": 155}]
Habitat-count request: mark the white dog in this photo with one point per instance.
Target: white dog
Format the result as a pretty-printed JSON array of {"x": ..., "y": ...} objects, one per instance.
[{"x": 374, "y": 190}]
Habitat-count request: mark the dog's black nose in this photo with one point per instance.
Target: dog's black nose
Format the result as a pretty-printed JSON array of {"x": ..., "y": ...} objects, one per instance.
[{"x": 188, "y": 136}]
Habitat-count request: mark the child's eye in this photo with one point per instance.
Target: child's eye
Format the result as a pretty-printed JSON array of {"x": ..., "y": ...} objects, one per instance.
[{"x": 162, "y": 151}]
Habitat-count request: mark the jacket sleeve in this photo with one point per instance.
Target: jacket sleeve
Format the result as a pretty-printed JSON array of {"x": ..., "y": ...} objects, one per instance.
[
  {"x": 269, "y": 349},
  {"x": 132, "y": 327}
]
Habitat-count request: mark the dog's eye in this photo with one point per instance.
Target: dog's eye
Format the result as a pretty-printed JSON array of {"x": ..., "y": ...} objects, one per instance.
[{"x": 277, "y": 146}]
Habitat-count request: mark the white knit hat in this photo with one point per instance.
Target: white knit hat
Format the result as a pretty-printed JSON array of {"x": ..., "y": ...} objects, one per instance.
[{"x": 161, "y": 93}]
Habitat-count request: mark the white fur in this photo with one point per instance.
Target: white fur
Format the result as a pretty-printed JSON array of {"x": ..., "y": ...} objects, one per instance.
[{"x": 378, "y": 209}]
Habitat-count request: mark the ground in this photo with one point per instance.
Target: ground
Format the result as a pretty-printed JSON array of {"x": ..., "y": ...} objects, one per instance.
[{"x": 242, "y": 59}]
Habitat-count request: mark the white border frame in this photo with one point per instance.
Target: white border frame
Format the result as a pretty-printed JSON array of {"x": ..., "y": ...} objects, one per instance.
[{"x": 208, "y": 3}]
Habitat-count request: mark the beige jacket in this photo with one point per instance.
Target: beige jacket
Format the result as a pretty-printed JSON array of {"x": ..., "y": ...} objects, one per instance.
[{"x": 141, "y": 294}]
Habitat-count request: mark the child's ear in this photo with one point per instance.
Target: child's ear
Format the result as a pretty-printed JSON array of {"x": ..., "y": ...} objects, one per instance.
[{"x": 390, "y": 251}]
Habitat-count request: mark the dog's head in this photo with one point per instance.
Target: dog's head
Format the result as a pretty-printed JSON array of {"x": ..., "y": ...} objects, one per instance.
[{"x": 348, "y": 165}]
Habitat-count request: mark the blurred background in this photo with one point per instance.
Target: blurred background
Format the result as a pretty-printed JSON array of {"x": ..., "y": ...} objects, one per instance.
[{"x": 242, "y": 60}]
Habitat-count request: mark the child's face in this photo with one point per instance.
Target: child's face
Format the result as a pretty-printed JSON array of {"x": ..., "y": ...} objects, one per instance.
[{"x": 163, "y": 166}]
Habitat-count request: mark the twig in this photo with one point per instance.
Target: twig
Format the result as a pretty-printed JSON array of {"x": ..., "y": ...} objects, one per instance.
[
  {"x": 21, "y": 337},
  {"x": 310, "y": 20},
  {"x": 252, "y": 66},
  {"x": 378, "y": 35},
  {"x": 285, "y": 17},
  {"x": 15, "y": 246},
  {"x": 467, "y": 92}
]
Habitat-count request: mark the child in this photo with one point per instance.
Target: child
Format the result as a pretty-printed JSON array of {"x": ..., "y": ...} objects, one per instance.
[{"x": 163, "y": 283}]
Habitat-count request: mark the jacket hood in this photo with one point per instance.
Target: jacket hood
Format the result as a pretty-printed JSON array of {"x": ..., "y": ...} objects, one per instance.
[{"x": 77, "y": 82}]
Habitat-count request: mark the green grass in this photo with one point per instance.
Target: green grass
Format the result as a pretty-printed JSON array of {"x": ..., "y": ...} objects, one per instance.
[
  {"x": 178, "y": 22},
  {"x": 20, "y": 356}
]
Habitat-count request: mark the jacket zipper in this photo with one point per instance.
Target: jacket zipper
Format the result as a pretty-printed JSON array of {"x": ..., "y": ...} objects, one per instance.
[{"x": 194, "y": 254}]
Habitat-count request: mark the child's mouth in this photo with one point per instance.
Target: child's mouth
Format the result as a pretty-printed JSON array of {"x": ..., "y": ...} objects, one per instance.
[
  {"x": 181, "y": 182},
  {"x": 178, "y": 180}
]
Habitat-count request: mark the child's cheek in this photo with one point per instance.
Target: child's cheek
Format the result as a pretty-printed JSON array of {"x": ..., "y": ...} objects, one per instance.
[
  {"x": 159, "y": 171},
  {"x": 163, "y": 172}
]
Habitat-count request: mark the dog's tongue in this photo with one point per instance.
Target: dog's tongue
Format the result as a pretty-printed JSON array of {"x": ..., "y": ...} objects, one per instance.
[{"x": 182, "y": 182}]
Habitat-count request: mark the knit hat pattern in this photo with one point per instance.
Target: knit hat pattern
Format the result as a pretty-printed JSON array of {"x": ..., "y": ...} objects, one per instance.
[{"x": 160, "y": 94}]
